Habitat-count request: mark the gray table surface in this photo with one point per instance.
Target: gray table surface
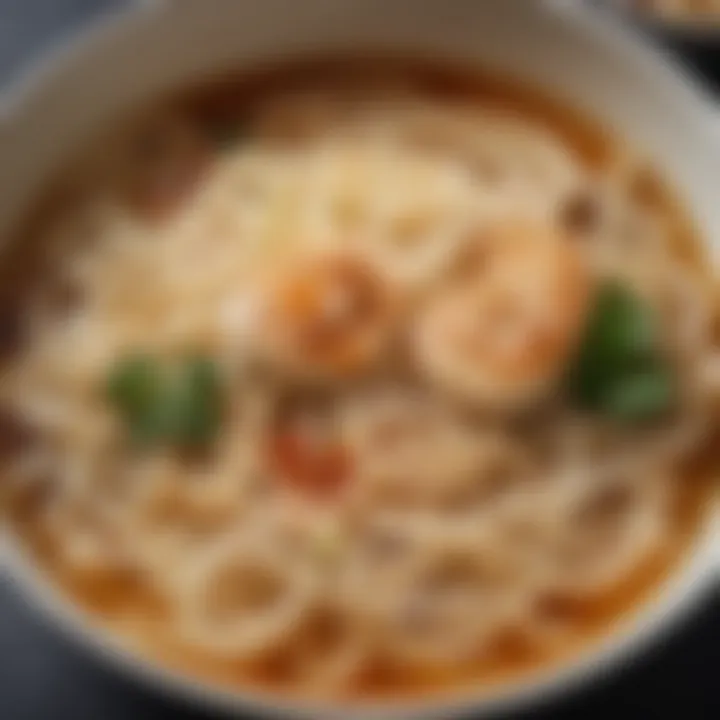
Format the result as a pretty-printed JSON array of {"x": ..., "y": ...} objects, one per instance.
[{"x": 44, "y": 678}]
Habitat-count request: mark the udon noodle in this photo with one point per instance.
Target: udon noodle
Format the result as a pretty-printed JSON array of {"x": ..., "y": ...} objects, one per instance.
[{"x": 389, "y": 274}]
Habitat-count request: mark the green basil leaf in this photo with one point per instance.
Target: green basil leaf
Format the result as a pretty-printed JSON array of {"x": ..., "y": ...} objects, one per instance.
[
  {"x": 151, "y": 427},
  {"x": 622, "y": 328},
  {"x": 195, "y": 402},
  {"x": 171, "y": 403},
  {"x": 618, "y": 369},
  {"x": 640, "y": 396},
  {"x": 134, "y": 384}
]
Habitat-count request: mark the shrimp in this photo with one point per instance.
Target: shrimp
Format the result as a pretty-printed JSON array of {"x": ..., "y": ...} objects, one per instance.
[
  {"x": 500, "y": 337},
  {"x": 327, "y": 317}
]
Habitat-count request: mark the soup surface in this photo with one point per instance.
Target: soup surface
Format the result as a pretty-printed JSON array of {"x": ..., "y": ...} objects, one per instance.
[{"x": 358, "y": 379}]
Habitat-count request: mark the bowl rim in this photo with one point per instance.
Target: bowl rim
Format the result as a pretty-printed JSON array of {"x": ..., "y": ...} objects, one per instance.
[{"x": 643, "y": 627}]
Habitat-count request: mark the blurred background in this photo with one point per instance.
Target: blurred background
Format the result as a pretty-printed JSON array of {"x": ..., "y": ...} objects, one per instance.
[
  {"x": 43, "y": 678},
  {"x": 690, "y": 28}
]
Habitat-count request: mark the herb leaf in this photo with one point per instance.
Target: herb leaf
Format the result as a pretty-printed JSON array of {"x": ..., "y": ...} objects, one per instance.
[
  {"x": 619, "y": 370},
  {"x": 194, "y": 402},
  {"x": 132, "y": 384},
  {"x": 640, "y": 396},
  {"x": 171, "y": 403}
]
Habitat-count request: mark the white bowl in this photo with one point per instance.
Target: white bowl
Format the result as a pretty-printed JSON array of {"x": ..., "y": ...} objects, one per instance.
[{"x": 590, "y": 62}]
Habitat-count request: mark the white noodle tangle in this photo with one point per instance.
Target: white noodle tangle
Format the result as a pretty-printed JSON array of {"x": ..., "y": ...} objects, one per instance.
[{"x": 454, "y": 525}]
